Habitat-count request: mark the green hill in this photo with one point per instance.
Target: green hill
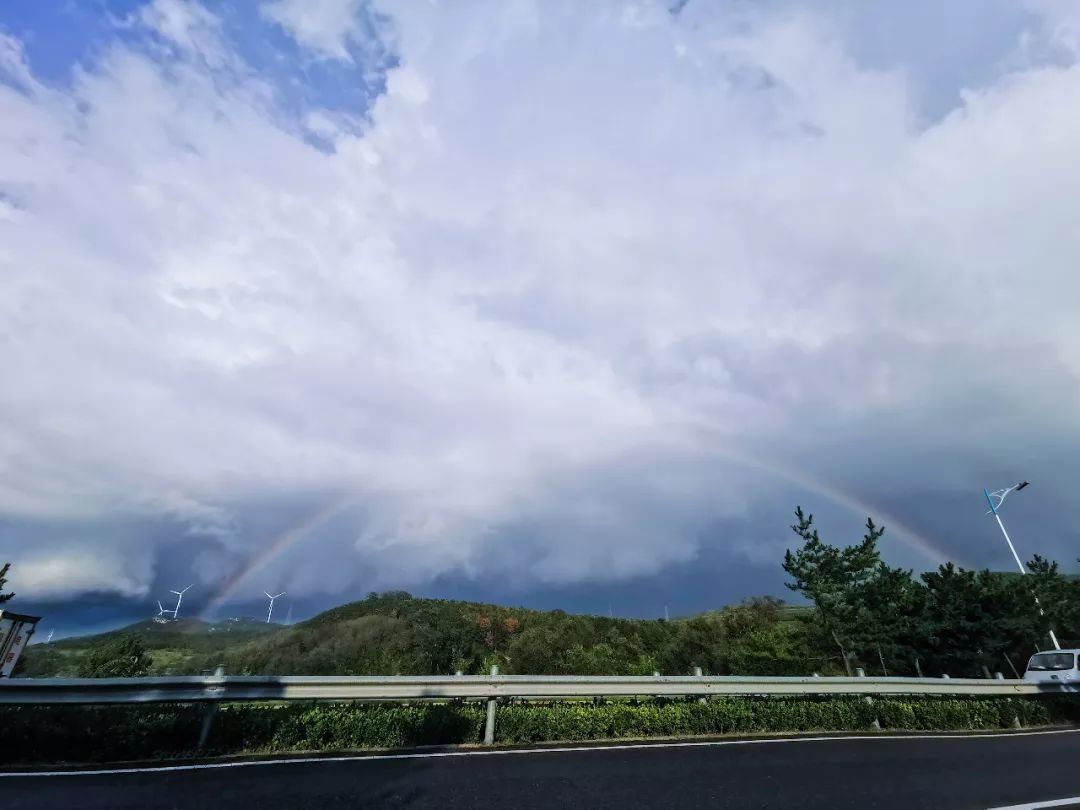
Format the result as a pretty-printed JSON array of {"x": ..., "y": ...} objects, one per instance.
[
  {"x": 394, "y": 633},
  {"x": 177, "y": 647}
]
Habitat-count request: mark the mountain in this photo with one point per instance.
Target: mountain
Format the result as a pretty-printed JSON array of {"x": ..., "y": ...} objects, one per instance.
[{"x": 395, "y": 633}]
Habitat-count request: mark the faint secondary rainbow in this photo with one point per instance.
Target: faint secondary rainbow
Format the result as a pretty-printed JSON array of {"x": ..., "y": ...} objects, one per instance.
[{"x": 849, "y": 501}]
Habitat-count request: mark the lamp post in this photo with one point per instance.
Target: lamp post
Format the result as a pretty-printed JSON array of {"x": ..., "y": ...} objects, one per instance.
[{"x": 996, "y": 499}]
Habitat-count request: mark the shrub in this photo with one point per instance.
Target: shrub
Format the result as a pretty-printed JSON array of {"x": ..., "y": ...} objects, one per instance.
[
  {"x": 564, "y": 721},
  {"x": 115, "y": 733},
  {"x": 97, "y": 733},
  {"x": 121, "y": 657}
]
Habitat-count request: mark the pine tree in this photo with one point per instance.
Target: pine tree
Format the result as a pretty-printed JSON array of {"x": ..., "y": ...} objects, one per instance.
[{"x": 4, "y": 597}]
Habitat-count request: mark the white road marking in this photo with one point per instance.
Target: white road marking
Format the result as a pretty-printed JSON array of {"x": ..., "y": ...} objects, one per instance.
[
  {"x": 567, "y": 749},
  {"x": 1038, "y": 805}
]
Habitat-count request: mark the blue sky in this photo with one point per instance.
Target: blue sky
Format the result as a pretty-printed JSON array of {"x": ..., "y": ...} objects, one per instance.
[{"x": 539, "y": 302}]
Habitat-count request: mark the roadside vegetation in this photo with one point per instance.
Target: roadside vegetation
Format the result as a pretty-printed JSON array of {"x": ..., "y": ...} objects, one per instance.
[{"x": 86, "y": 734}]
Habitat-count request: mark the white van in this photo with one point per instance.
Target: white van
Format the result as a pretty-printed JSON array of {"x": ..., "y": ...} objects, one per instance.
[{"x": 1053, "y": 666}]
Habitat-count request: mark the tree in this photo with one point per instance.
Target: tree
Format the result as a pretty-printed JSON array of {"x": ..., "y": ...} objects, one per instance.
[
  {"x": 4, "y": 597},
  {"x": 889, "y": 620},
  {"x": 781, "y": 649},
  {"x": 119, "y": 657},
  {"x": 749, "y": 616},
  {"x": 1057, "y": 596},
  {"x": 964, "y": 620},
  {"x": 832, "y": 578}
]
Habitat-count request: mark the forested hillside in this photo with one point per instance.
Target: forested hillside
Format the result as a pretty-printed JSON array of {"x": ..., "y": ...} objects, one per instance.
[
  {"x": 862, "y": 613},
  {"x": 174, "y": 646},
  {"x": 395, "y": 633}
]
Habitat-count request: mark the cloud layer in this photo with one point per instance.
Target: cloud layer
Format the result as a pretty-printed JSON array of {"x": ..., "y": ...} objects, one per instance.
[{"x": 580, "y": 282}]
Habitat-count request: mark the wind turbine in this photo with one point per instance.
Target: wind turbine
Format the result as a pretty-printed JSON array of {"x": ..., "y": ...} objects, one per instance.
[
  {"x": 179, "y": 598},
  {"x": 270, "y": 612}
]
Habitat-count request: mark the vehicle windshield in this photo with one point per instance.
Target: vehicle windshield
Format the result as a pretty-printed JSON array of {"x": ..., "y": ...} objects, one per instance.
[{"x": 1051, "y": 661}]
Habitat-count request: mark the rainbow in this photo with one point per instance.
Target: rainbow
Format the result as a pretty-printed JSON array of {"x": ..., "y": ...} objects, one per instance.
[
  {"x": 853, "y": 503},
  {"x": 276, "y": 547},
  {"x": 849, "y": 501}
]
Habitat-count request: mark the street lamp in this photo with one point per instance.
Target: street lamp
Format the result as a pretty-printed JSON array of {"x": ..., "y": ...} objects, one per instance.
[{"x": 996, "y": 499}]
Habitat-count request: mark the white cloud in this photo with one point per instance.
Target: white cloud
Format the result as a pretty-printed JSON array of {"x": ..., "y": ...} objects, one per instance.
[
  {"x": 325, "y": 27},
  {"x": 573, "y": 244},
  {"x": 71, "y": 570},
  {"x": 13, "y": 65},
  {"x": 188, "y": 26}
]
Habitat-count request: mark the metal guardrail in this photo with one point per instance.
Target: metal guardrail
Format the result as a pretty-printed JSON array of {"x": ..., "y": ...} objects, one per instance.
[{"x": 214, "y": 689}]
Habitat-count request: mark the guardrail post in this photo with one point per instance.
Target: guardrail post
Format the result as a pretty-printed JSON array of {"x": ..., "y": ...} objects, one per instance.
[
  {"x": 697, "y": 674},
  {"x": 876, "y": 724},
  {"x": 489, "y": 726},
  {"x": 861, "y": 673},
  {"x": 208, "y": 714},
  {"x": 998, "y": 676}
]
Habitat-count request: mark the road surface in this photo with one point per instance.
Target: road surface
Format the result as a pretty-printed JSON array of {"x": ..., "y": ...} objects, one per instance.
[{"x": 879, "y": 772}]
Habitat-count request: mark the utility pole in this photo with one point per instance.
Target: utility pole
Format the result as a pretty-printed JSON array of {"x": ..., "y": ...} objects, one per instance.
[{"x": 999, "y": 496}]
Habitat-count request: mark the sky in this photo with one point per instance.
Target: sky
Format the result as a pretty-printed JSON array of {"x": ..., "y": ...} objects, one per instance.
[{"x": 549, "y": 303}]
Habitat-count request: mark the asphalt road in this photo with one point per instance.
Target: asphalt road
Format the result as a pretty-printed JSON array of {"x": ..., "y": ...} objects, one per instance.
[{"x": 880, "y": 772}]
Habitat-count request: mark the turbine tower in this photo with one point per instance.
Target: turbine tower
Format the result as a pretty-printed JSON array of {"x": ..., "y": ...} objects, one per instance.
[
  {"x": 179, "y": 598},
  {"x": 270, "y": 612}
]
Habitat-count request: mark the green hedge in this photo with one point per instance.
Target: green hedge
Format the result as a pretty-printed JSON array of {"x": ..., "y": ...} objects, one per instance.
[
  {"x": 116, "y": 733},
  {"x": 535, "y": 722},
  {"x": 334, "y": 726},
  {"x": 97, "y": 733}
]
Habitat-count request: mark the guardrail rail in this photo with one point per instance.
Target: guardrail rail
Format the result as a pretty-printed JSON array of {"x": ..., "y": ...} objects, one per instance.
[
  {"x": 218, "y": 688},
  {"x": 215, "y": 688}
]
